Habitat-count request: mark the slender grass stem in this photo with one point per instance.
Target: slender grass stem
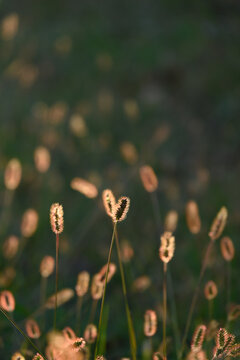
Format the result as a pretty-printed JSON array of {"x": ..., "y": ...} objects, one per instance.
[
  {"x": 4, "y": 217},
  {"x": 132, "y": 336},
  {"x": 56, "y": 283},
  {"x": 164, "y": 309},
  {"x": 210, "y": 309},
  {"x": 104, "y": 292},
  {"x": 21, "y": 332},
  {"x": 195, "y": 295},
  {"x": 93, "y": 311},
  {"x": 78, "y": 313}
]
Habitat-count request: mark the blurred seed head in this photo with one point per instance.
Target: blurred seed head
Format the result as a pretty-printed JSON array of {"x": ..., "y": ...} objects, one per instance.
[
  {"x": 9, "y": 26},
  {"x": 10, "y": 247},
  {"x": 171, "y": 220},
  {"x": 17, "y": 356},
  {"x": 38, "y": 357},
  {"x": 111, "y": 272},
  {"x": 78, "y": 126},
  {"x": 78, "y": 344},
  {"x": 7, "y": 301},
  {"x": 82, "y": 283},
  {"x": 7, "y": 275},
  {"x": 167, "y": 248},
  {"x": 121, "y": 209},
  {"x": 85, "y": 187},
  {"x": 234, "y": 312},
  {"x": 212, "y": 329},
  {"x": 149, "y": 178},
  {"x": 193, "y": 218},
  {"x": 201, "y": 355},
  {"x": 47, "y": 266},
  {"x": 56, "y": 218},
  {"x": 210, "y": 290},
  {"x": 150, "y": 323},
  {"x": 90, "y": 333},
  {"x": 13, "y": 174},
  {"x": 131, "y": 109},
  {"x": 109, "y": 201},
  {"x": 42, "y": 159},
  {"x": 129, "y": 152},
  {"x": 97, "y": 287},
  {"x": 198, "y": 337},
  {"x": 29, "y": 223},
  {"x": 127, "y": 251},
  {"x": 157, "y": 356},
  {"x": 69, "y": 334},
  {"x": 32, "y": 329},
  {"x": 63, "y": 296},
  {"x": 57, "y": 112},
  {"x": 142, "y": 283},
  {"x": 227, "y": 248},
  {"x": 63, "y": 44},
  {"x": 218, "y": 224}
]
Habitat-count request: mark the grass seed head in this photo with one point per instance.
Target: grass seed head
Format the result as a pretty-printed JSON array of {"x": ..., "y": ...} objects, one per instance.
[
  {"x": 56, "y": 218},
  {"x": 121, "y": 209},
  {"x": 17, "y": 356},
  {"x": 167, "y": 248},
  {"x": 198, "y": 337},
  {"x": 193, "y": 218},
  {"x": 13, "y": 174},
  {"x": 90, "y": 333},
  {"x": 150, "y": 323},
  {"x": 84, "y": 187},
  {"x": 149, "y": 178},
  {"x": 218, "y": 224},
  {"x": 7, "y": 301},
  {"x": 171, "y": 220},
  {"x": 82, "y": 283},
  {"x": 227, "y": 248},
  {"x": 109, "y": 201},
  {"x": 29, "y": 223},
  {"x": 97, "y": 287},
  {"x": 42, "y": 159},
  {"x": 63, "y": 296},
  {"x": 32, "y": 329},
  {"x": 47, "y": 266},
  {"x": 210, "y": 290}
]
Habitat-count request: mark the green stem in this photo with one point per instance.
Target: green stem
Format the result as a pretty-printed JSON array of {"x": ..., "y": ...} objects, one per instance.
[
  {"x": 164, "y": 309},
  {"x": 56, "y": 284},
  {"x": 104, "y": 293},
  {"x": 78, "y": 316},
  {"x": 131, "y": 331},
  {"x": 21, "y": 332}
]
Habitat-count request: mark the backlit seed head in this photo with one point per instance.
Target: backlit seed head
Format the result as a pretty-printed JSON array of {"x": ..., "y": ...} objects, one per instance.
[
  {"x": 218, "y": 224},
  {"x": 127, "y": 251},
  {"x": 82, "y": 283},
  {"x": 13, "y": 174},
  {"x": 210, "y": 290},
  {"x": 201, "y": 355},
  {"x": 42, "y": 159},
  {"x": 56, "y": 218},
  {"x": 97, "y": 287},
  {"x": 90, "y": 333},
  {"x": 150, "y": 323},
  {"x": 212, "y": 329},
  {"x": 38, "y": 357},
  {"x": 84, "y": 187},
  {"x": 171, "y": 220},
  {"x": 157, "y": 356},
  {"x": 47, "y": 266},
  {"x": 142, "y": 283},
  {"x": 167, "y": 247},
  {"x": 192, "y": 216},
  {"x": 10, "y": 247},
  {"x": 32, "y": 329},
  {"x": 111, "y": 272},
  {"x": 149, "y": 178},
  {"x": 234, "y": 312},
  {"x": 29, "y": 223},
  {"x": 227, "y": 248},
  {"x": 69, "y": 334},
  {"x": 109, "y": 201},
  {"x": 234, "y": 351},
  {"x": 121, "y": 209},
  {"x": 7, "y": 275},
  {"x": 198, "y": 338},
  {"x": 7, "y": 301},
  {"x": 222, "y": 338},
  {"x": 17, "y": 356},
  {"x": 63, "y": 296}
]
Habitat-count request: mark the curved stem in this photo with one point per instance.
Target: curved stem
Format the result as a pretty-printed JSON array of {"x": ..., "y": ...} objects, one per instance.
[{"x": 104, "y": 292}]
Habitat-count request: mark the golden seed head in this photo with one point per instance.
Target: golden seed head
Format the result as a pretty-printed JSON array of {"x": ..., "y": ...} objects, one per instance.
[
  {"x": 32, "y": 329},
  {"x": 82, "y": 283},
  {"x": 42, "y": 159},
  {"x": 109, "y": 201},
  {"x": 111, "y": 272},
  {"x": 192, "y": 217},
  {"x": 167, "y": 248},
  {"x": 198, "y": 337},
  {"x": 47, "y": 266},
  {"x": 171, "y": 220},
  {"x": 38, "y": 357},
  {"x": 97, "y": 287},
  {"x": 29, "y": 223},
  {"x": 17, "y": 356},
  {"x": 7, "y": 301},
  {"x": 68, "y": 334},
  {"x": 210, "y": 290},
  {"x": 13, "y": 174},
  {"x": 63, "y": 296},
  {"x": 10, "y": 247},
  {"x": 90, "y": 333},
  {"x": 200, "y": 355},
  {"x": 218, "y": 224},
  {"x": 56, "y": 218},
  {"x": 149, "y": 178},
  {"x": 227, "y": 248},
  {"x": 78, "y": 344},
  {"x": 121, "y": 209},
  {"x": 222, "y": 338},
  {"x": 84, "y": 187},
  {"x": 150, "y": 323}
]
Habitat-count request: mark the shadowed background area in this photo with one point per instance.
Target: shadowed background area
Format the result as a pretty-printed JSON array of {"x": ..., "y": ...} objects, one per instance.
[{"x": 107, "y": 87}]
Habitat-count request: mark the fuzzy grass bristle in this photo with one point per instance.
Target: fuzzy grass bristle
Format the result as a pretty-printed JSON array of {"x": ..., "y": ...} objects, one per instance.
[
  {"x": 84, "y": 187},
  {"x": 109, "y": 201},
  {"x": 227, "y": 248},
  {"x": 7, "y": 301},
  {"x": 82, "y": 283},
  {"x": 167, "y": 248},
  {"x": 218, "y": 224},
  {"x": 210, "y": 290},
  {"x": 149, "y": 178},
  {"x": 192, "y": 217},
  {"x": 56, "y": 218},
  {"x": 198, "y": 338},
  {"x": 120, "y": 210},
  {"x": 32, "y": 329},
  {"x": 90, "y": 333},
  {"x": 17, "y": 356},
  {"x": 150, "y": 323}
]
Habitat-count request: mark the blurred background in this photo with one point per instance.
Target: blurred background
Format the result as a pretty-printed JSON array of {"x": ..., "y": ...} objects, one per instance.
[{"x": 107, "y": 87}]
